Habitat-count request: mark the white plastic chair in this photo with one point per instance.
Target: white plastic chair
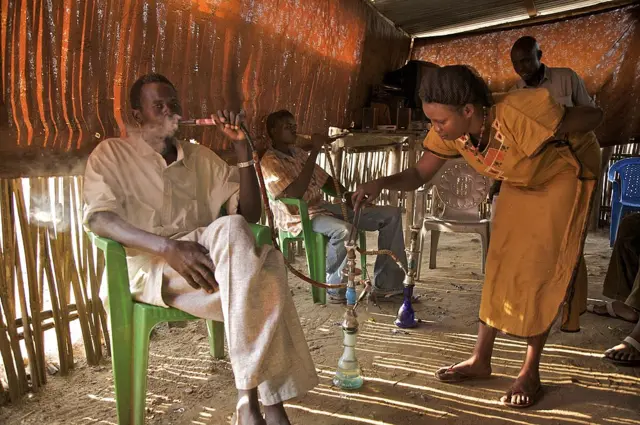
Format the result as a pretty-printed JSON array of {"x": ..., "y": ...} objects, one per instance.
[{"x": 458, "y": 191}]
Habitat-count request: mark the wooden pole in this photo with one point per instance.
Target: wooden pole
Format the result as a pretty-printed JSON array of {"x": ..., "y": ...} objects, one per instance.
[
  {"x": 92, "y": 285},
  {"x": 7, "y": 357},
  {"x": 27, "y": 229},
  {"x": 55, "y": 305},
  {"x": 7, "y": 294},
  {"x": 93, "y": 324},
  {"x": 57, "y": 243},
  {"x": 71, "y": 266},
  {"x": 96, "y": 302},
  {"x": 28, "y": 337}
]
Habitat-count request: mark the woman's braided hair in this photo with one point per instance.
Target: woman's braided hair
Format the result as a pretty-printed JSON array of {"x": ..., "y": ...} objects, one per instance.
[{"x": 455, "y": 85}]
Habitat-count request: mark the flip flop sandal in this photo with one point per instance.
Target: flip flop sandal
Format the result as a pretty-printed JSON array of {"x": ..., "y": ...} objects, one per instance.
[
  {"x": 631, "y": 342},
  {"x": 610, "y": 312},
  {"x": 533, "y": 399},
  {"x": 448, "y": 374}
]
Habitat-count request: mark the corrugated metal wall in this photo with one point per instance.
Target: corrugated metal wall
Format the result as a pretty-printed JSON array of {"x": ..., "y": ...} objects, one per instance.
[
  {"x": 604, "y": 49},
  {"x": 67, "y": 67}
]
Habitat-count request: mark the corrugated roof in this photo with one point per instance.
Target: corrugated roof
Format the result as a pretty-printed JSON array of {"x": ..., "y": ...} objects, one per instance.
[{"x": 430, "y": 18}]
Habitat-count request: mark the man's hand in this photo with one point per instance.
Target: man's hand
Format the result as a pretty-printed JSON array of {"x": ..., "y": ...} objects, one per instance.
[
  {"x": 318, "y": 141},
  {"x": 229, "y": 122},
  {"x": 191, "y": 260},
  {"x": 366, "y": 192}
]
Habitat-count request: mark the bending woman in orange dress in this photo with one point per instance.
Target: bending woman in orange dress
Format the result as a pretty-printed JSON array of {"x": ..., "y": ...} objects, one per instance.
[{"x": 548, "y": 159}]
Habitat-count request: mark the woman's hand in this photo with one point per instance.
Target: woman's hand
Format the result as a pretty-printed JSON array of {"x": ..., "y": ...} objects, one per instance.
[{"x": 365, "y": 192}]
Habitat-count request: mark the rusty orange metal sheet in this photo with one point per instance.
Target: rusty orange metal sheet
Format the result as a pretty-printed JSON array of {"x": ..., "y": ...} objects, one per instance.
[
  {"x": 604, "y": 49},
  {"x": 67, "y": 65}
]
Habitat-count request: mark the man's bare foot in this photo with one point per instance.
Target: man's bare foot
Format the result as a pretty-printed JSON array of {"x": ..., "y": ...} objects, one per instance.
[
  {"x": 276, "y": 415},
  {"x": 623, "y": 352},
  {"x": 620, "y": 310},
  {"x": 471, "y": 368},
  {"x": 628, "y": 352},
  {"x": 248, "y": 408},
  {"x": 525, "y": 391}
]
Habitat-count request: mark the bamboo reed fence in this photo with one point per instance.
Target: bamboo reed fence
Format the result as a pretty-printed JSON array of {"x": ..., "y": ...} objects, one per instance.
[{"x": 49, "y": 276}]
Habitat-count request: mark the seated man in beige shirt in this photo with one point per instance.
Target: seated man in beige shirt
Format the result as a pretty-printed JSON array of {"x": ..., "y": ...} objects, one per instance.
[{"x": 161, "y": 198}]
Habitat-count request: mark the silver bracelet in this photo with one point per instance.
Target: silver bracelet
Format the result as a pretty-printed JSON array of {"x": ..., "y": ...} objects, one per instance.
[{"x": 245, "y": 164}]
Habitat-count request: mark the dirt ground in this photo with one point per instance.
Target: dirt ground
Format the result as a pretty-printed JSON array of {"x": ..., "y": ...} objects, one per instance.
[{"x": 186, "y": 386}]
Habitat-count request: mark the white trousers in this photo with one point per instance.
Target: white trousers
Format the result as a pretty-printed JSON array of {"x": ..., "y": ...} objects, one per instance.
[{"x": 266, "y": 343}]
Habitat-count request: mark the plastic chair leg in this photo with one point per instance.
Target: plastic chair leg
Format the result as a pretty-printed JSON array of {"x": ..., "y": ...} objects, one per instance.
[
  {"x": 284, "y": 246},
  {"x": 215, "y": 330},
  {"x": 121, "y": 350},
  {"x": 141, "y": 332},
  {"x": 317, "y": 260},
  {"x": 319, "y": 295},
  {"x": 435, "y": 237}
]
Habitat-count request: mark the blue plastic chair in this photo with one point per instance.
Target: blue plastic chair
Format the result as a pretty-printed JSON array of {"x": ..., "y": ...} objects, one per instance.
[{"x": 625, "y": 197}]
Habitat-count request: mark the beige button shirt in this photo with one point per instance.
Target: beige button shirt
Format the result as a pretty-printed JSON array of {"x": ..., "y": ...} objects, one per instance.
[
  {"x": 127, "y": 177},
  {"x": 566, "y": 87}
]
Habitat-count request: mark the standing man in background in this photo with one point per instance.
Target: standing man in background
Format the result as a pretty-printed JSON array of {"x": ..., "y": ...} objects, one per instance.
[{"x": 564, "y": 84}]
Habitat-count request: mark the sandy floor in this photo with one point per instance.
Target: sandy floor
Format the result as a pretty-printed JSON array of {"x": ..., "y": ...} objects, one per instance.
[{"x": 186, "y": 386}]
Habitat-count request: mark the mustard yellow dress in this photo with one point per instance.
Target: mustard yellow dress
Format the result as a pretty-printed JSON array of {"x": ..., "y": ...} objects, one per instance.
[{"x": 534, "y": 267}]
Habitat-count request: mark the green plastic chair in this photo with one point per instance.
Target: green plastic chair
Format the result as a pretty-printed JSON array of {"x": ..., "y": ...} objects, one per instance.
[
  {"x": 131, "y": 325},
  {"x": 315, "y": 248}
]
